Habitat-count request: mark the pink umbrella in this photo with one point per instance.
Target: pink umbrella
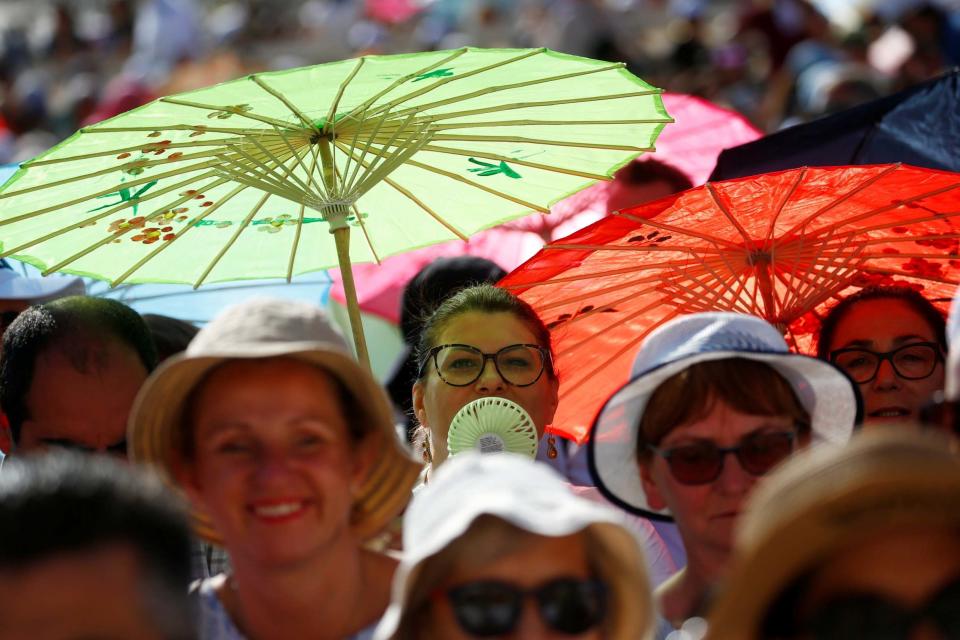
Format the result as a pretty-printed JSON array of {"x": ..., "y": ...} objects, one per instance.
[{"x": 691, "y": 144}]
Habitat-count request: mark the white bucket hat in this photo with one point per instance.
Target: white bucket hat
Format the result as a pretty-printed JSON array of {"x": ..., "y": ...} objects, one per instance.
[
  {"x": 528, "y": 495},
  {"x": 824, "y": 391},
  {"x": 269, "y": 328},
  {"x": 14, "y": 286}
]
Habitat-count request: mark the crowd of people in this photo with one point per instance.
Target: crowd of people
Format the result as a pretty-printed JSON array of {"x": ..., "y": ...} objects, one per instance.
[
  {"x": 64, "y": 65},
  {"x": 271, "y": 491},
  {"x": 251, "y": 479}
]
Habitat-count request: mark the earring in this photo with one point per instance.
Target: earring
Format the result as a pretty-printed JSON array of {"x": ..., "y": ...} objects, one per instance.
[
  {"x": 427, "y": 456},
  {"x": 551, "y": 447}
]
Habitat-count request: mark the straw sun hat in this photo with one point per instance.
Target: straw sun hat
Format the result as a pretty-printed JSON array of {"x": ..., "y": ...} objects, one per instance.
[
  {"x": 268, "y": 328},
  {"x": 820, "y": 502},
  {"x": 824, "y": 391}
]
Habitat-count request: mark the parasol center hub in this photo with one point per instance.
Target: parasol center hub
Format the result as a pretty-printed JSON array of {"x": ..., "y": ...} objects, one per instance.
[
  {"x": 317, "y": 136},
  {"x": 759, "y": 258}
]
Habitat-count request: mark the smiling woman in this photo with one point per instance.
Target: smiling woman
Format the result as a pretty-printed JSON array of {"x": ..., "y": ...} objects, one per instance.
[{"x": 286, "y": 448}]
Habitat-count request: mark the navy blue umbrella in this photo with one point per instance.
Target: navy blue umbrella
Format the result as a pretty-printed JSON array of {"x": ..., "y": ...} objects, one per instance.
[{"x": 919, "y": 126}]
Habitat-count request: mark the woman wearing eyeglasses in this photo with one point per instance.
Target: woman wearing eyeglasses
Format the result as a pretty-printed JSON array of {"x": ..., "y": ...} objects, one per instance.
[
  {"x": 483, "y": 341},
  {"x": 891, "y": 341},
  {"x": 715, "y": 402},
  {"x": 497, "y": 546}
]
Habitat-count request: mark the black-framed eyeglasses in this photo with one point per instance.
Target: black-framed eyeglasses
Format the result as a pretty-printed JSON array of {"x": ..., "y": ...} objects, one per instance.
[
  {"x": 493, "y": 608},
  {"x": 914, "y": 361},
  {"x": 702, "y": 462},
  {"x": 868, "y": 615},
  {"x": 460, "y": 365}
]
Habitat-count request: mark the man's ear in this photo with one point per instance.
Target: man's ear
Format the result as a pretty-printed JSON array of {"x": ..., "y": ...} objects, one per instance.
[
  {"x": 6, "y": 435},
  {"x": 654, "y": 496}
]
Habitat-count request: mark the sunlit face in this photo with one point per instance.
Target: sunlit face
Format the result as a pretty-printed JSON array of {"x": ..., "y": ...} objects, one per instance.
[
  {"x": 96, "y": 593},
  {"x": 436, "y": 402},
  {"x": 535, "y": 561},
  {"x": 883, "y": 325},
  {"x": 274, "y": 461},
  {"x": 707, "y": 513},
  {"x": 905, "y": 566},
  {"x": 86, "y": 409}
]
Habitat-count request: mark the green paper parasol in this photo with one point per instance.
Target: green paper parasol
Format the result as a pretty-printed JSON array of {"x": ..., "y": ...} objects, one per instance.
[{"x": 249, "y": 178}]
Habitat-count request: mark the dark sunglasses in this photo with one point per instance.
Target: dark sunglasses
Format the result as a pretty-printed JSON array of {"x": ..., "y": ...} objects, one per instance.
[
  {"x": 702, "y": 462},
  {"x": 875, "y": 617},
  {"x": 492, "y": 608}
]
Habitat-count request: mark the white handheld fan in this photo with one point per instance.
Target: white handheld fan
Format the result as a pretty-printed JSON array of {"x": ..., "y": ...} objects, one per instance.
[{"x": 492, "y": 425}]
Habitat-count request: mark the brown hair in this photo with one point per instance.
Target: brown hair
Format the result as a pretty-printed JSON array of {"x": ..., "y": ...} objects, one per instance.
[{"x": 748, "y": 386}]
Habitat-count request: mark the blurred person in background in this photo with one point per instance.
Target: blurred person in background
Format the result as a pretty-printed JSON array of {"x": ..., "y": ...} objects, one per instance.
[
  {"x": 69, "y": 374},
  {"x": 170, "y": 335},
  {"x": 892, "y": 342},
  {"x": 706, "y": 385},
  {"x": 858, "y": 542},
  {"x": 497, "y": 546},
  {"x": 89, "y": 549},
  {"x": 287, "y": 450}
]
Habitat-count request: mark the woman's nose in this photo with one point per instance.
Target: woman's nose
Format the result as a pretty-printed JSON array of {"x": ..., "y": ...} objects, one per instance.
[{"x": 490, "y": 379}]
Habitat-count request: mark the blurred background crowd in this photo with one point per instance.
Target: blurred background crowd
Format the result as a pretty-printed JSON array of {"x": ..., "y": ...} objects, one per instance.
[{"x": 778, "y": 62}]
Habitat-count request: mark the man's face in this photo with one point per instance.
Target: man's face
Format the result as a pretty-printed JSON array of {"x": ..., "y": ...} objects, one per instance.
[
  {"x": 95, "y": 593},
  {"x": 83, "y": 407}
]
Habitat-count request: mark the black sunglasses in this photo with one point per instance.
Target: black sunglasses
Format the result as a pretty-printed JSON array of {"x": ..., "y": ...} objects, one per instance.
[
  {"x": 875, "y": 617},
  {"x": 493, "y": 608},
  {"x": 702, "y": 462}
]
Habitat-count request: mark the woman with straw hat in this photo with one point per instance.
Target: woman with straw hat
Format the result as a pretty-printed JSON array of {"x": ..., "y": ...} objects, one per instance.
[
  {"x": 498, "y": 546},
  {"x": 285, "y": 446},
  {"x": 859, "y": 542},
  {"x": 706, "y": 385}
]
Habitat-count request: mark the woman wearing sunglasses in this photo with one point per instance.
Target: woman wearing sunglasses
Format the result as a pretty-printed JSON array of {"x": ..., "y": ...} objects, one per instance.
[
  {"x": 891, "y": 341},
  {"x": 715, "y": 402},
  {"x": 497, "y": 546},
  {"x": 858, "y": 542},
  {"x": 482, "y": 341}
]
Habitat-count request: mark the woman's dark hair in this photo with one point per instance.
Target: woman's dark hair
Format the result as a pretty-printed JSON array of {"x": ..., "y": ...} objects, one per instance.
[
  {"x": 911, "y": 297},
  {"x": 747, "y": 386},
  {"x": 483, "y": 298}
]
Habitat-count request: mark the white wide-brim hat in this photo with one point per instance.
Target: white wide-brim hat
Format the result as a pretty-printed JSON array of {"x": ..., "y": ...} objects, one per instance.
[
  {"x": 826, "y": 393},
  {"x": 532, "y": 497},
  {"x": 14, "y": 286}
]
